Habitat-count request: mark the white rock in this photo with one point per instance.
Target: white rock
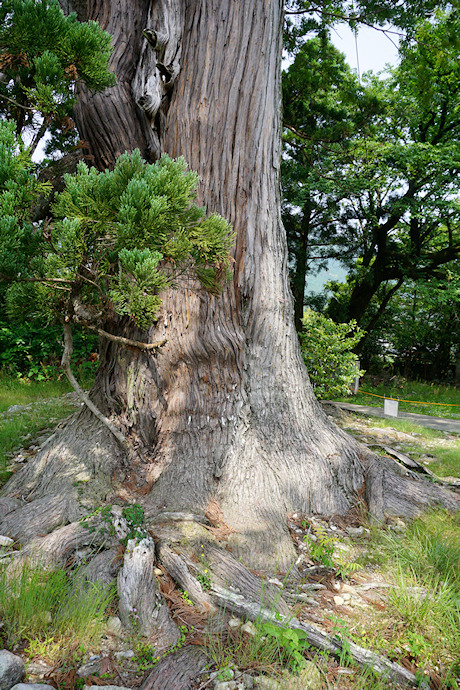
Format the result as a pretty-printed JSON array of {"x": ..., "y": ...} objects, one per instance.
[
  {"x": 6, "y": 541},
  {"x": 114, "y": 625},
  {"x": 355, "y": 531},
  {"x": 125, "y": 655},
  {"x": 276, "y": 582},
  {"x": 249, "y": 628},
  {"x": 235, "y": 622},
  {"x": 310, "y": 677},
  {"x": 225, "y": 685},
  {"x": 339, "y": 601},
  {"x": 32, "y": 686}
]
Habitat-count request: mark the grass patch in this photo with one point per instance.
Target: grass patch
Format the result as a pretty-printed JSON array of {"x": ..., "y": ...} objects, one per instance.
[
  {"x": 421, "y": 621},
  {"x": 412, "y": 390},
  {"x": 443, "y": 449},
  {"x": 58, "y": 617},
  {"x": 22, "y": 391},
  {"x": 20, "y": 429}
]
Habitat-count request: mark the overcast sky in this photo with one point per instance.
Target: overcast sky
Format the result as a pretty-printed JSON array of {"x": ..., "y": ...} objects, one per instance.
[{"x": 372, "y": 48}]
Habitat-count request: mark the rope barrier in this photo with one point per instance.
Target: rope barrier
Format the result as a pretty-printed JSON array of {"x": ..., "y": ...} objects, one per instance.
[{"x": 417, "y": 402}]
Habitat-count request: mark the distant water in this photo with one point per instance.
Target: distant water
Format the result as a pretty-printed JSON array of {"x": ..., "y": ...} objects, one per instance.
[{"x": 335, "y": 271}]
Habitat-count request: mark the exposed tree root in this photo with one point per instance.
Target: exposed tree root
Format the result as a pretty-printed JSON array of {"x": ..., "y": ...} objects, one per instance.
[{"x": 177, "y": 670}]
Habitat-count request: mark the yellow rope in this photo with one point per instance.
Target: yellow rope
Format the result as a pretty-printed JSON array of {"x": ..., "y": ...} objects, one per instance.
[{"x": 418, "y": 402}]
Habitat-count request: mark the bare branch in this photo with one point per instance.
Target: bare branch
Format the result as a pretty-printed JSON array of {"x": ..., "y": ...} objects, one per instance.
[
  {"x": 127, "y": 341},
  {"x": 65, "y": 363}
]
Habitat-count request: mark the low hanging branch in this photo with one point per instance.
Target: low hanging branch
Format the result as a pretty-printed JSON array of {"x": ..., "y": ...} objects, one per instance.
[
  {"x": 127, "y": 341},
  {"x": 65, "y": 363}
]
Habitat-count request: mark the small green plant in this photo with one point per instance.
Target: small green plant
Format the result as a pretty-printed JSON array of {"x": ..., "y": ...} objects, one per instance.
[
  {"x": 291, "y": 644},
  {"x": 134, "y": 516},
  {"x": 186, "y": 597},
  {"x": 342, "y": 633},
  {"x": 146, "y": 654},
  {"x": 321, "y": 546},
  {"x": 204, "y": 580}
]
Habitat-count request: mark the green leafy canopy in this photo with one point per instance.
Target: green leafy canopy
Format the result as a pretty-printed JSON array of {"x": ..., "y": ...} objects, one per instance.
[{"x": 119, "y": 238}]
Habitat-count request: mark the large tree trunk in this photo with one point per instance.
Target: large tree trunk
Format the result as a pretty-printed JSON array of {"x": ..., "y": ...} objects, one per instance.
[{"x": 224, "y": 410}]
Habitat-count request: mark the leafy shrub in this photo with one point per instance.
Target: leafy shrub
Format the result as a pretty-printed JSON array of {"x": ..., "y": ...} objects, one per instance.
[
  {"x": 33, "y": 351},
  {"x": 327, "y": 351}
]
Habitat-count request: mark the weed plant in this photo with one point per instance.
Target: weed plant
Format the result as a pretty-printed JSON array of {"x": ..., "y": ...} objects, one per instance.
[{"x": 52, "y": 611}]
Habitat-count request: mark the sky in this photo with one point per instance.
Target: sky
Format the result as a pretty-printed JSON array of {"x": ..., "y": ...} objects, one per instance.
[{"x": 372, "y": 50}]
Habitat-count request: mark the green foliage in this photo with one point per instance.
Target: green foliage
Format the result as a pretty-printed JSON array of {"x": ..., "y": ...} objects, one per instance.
[
  {"x": 327, "y": 352},
  {"x": 31, "y": 351},
  {"x": 44, "y": 55},
  {"x": 291, "y": 644},
  {"x": 120, "y": 237},
  {"x": 134, "y": 516},
  {"x": 51, "y": 606},
  {"x": 370, "y": 170}
]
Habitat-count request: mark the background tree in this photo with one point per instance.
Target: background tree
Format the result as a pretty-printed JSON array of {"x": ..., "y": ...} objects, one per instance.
[
  {"x": 418, "y": 335},
  {"x": 324, "y": 110},
  {"x": 401, "y": 214}
]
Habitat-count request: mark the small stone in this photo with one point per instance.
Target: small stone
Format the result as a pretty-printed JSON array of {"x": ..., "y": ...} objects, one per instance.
[
  {"x": 249, "y": 628},
  {"x": 346, "y": 596},
  {"x": 276, "y": 582},
  {"x": 114, "y": 625},
  {"x": 399, "y": 525},
  {"x": 12, "y": 669},
  {"x": 339, "y": 601},
  {"x": 312, "y": 586},
  {"x": 355, "y": 531},
  {"x": 266, "y": 683},
  {"x": 224, "y": 685},
  {"x": 6, "y": 541},
  {"x": 247, "y": 680},
  {"x": 348, "y": 588},
  {"x": 125, "y": 655},
  {"x": 234, "y": 623},
  {"x": 90, "y": 668},
  {"x": 158, "y": 571}
]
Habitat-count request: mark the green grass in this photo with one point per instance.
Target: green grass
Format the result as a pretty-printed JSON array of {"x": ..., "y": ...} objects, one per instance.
[
  {"x": 57, "y": 616},
  {"x": 15, "y": 391},
  {"x": 19, "y": 430},
  {"x": 422, "y": 617},
  {"x": 412, "y": 390},
  {"x": 446, "y": 451}
]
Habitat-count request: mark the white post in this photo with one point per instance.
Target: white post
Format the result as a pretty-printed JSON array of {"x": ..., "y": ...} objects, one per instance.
[{"x": 390, "y": 407}]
